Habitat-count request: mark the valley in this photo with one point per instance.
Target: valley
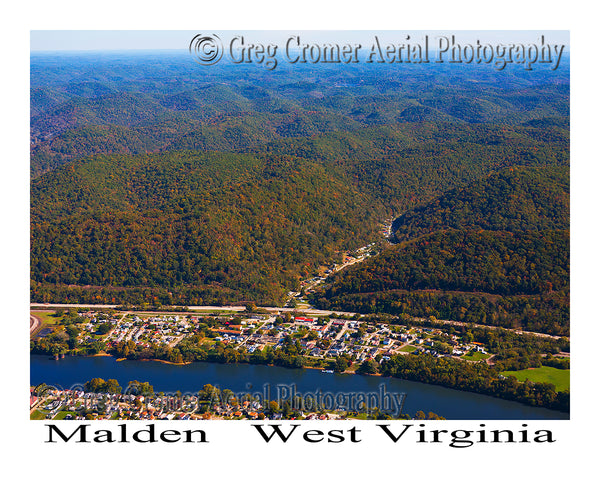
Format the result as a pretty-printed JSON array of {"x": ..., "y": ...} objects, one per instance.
[{"x": 391, "y": 198}]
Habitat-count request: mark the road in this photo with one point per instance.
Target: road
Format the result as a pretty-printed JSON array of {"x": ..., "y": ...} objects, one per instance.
[
  {"x": 34, "y": 324},
  {"x": 275, "y": 310},
  {"x": 493, "y": 327},
  {"x": 197, "y": 308}
]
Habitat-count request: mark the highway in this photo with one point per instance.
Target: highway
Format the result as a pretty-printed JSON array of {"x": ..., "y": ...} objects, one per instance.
[
  {"x": 195, "y": 308},
  {"x": 275, "y": 310}
]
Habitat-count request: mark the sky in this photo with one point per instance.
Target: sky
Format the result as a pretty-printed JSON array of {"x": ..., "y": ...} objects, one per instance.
[{"x": 68, "y": 40}]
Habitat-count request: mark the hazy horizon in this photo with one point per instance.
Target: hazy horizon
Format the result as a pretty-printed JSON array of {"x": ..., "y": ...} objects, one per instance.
[{"x": 165, "y": 40}]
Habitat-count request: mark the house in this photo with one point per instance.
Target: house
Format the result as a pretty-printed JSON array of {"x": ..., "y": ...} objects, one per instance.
[
  {"x": 227, "y": 331},
  {"x": 304, "y": 320}
]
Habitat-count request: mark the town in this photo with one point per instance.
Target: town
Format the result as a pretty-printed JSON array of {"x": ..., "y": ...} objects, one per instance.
[
  {"x": 299, "y": 336},
  {"x": 98, "y": 399},
  {"x": 210, "y": 403},
  {"x": 327, "y": 342},
  {"x": 319, "y": 337}
]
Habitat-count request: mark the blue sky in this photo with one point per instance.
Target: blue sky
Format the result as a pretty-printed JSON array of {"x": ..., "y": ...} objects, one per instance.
[{"x": 55, "y": 40}]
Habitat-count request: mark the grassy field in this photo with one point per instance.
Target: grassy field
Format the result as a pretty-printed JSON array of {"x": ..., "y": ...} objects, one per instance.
[
  {"x": 353, "y": 367},
  {"x": 62, "y": 414},
  {"x": 47, "y": 320},
  {"x": 37, "y": 415},
  {"x": 559, "y": 378},
  {"x": 476, "y": 356},
  {"x": 46, "y": 317},
  {"x": 408, "y": 348}
]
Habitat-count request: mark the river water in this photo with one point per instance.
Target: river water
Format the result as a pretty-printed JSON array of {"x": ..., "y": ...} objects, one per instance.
[{"x": 242, "y": 378}]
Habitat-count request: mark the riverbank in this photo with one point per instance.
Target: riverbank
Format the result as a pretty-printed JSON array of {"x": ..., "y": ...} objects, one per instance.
[
  {"x": 282, "y": 383},
  {"x": 120, "y": 359},
  {"x": 163, "y": 361},
  {"x": 500, "y": 391}
]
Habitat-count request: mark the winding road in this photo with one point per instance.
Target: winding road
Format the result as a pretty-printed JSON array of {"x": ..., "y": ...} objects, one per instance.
[{"x": 34, "y": 324}]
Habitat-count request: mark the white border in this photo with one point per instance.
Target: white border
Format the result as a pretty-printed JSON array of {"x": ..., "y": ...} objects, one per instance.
[{"x": 236, "y": 451}]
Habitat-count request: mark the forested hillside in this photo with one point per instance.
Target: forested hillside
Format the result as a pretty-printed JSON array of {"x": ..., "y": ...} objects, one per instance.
[
  {"x": 496, "y": 251},
  {"x": 152, "y": 183},
  {"x": 225, "y": 221},
  {"x": 115, "y": 103},
  {"x": 513, "y": 200},
  {"x": 503, "y": 263},
  {"x": 250, "y": 223}
]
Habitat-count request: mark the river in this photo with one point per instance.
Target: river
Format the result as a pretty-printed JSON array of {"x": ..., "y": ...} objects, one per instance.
[{"x": 242, "y": 378}]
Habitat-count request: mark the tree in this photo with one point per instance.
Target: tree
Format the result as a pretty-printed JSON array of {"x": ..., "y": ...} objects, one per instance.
[
  {"x": 140, "y": 388},
  {"x": 287, "y": 410},
  {"x": 72, "y": 331},
  {"x": 434, "y": 416},
  {"x": 312, "y": 335},
  {"x": 95, "y": 385},
  {"x": 341, "y": 364},
  {"x": 209, "y": 392},
  {"x": 368, "y": 367},
  {"x": 104, "y": 328}
]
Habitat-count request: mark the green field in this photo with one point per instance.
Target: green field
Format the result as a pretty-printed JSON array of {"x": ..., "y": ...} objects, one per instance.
[
  {"x": 37, "y": 415},
  {"x": 476, "y": 356},
  {"x": 46, "y": 317},
  {"x": 559, "y": 378},
  {"x": 62, "y": 414},
  {"x": 408, "y": 348}
]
